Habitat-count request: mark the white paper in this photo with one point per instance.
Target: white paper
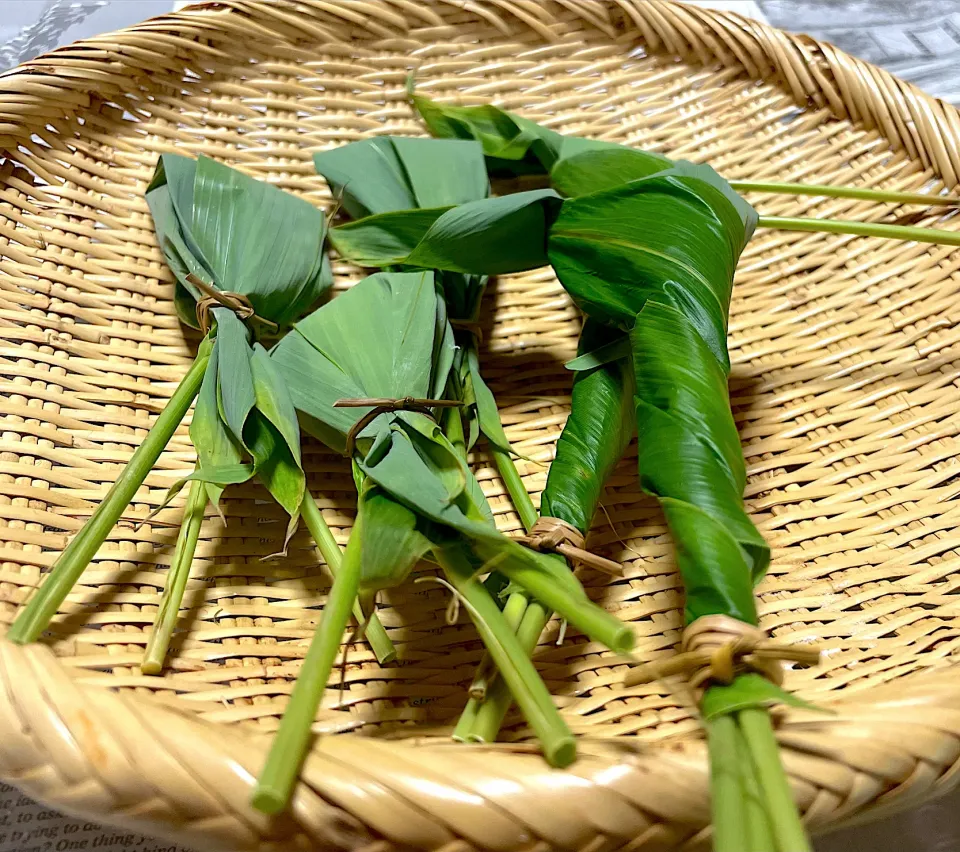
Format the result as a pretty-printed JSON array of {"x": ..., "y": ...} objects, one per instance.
[{"x": 26, "y": 826}]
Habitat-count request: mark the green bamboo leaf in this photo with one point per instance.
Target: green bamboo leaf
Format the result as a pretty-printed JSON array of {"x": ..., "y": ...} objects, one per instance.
[
  {"x": 668, "y": 237},
  {"x": 513, "y": 144},
  {"x": 273, "y": 437},
  {"x": 276, "y": 467},
  {"x": 690, "y": 459},
  {"x": 391, "y": 543},
  {"x": 215, "y": 446},
  {"x": 493, "y": 236},
  {"x": 440, "y": 456},
  {"x": 376, "y": 340},
  {"x": 273, "y": 400},
  {"x": 385, "y": 239},
  {"x": 366, "y": 177},
  {"x": 390, "y": 173},
  {"x": 423, "y": 472},
  {"x": 237, "y": 234},
  {"x": 598, "y": 169},
  {"x": 220, "y": 477},
  {"x": 605, "y": 353},
  {"x": 461, "y": 388},
  {"x": 237, "y": 395},
  {"x": 184, "y": 261},
  {"x": 594, "y": 438},
  {"x": 749, "y": 217},
  {"x": 442, "y": 172},
  {"x": 258, "y": 240},
  {"x": 748, "y": 690},
  {"x": 405, "y": 452},
  {"x": 444, "y": 348},
  {"x": 488, "y": 415}
]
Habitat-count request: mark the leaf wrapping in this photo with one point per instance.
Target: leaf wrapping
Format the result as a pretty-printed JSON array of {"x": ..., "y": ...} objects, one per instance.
[
  {"x": 389, "y": 174},
  {"x": 379, "y": 340},
  {"x": 594, "y": 438},
  {"x": 240, "y": 235}
]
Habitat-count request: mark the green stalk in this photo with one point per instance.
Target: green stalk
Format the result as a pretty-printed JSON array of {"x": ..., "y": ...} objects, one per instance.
[
  {"x": 908, "y": 233},
  {"x": 490, "y": 713},
  {"x": 374, "y": 632},
  {"x": 516, "y": 669},
  {"x": 727, "y": 803},
  {"x": 166, "y": 621},
  {"x": 516, "y": 604},
  {"x": 486, "y": 673},
  {"x": 762, "y": 744},
  {"x": 586, "y": 616},
  {"x": 519, "y": 495},
  {"x": 759, "y": 831},
  {"x": 290, "y": 745},
  {"x": 883, "y": 195},
  {"x": 34, "y": 618},
  {"x": 461, "y": 733}
]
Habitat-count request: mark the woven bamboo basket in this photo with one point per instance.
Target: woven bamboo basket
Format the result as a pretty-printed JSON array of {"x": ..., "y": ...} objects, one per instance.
[{"x": 846, "y": 365}]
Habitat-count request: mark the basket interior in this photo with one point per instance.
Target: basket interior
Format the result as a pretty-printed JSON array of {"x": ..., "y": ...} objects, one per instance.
[{"x": 844, "y": 378}]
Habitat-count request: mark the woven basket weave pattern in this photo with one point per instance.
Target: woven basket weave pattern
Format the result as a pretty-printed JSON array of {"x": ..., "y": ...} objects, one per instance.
[{"x": 844, "y": 388}]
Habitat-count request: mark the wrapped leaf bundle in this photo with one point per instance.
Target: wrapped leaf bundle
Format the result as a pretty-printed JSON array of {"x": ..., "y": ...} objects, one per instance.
[
  {"x": 594, "y": 438},
  {"x": 389, "y": 174},
  {"x": 246, "y": 257},
  {"x": 648, "y": 249},
  {"x": 367, "y": 373}
]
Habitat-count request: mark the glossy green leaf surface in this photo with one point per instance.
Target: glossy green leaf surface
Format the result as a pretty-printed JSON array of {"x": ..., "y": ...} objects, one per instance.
[
  {"x": 593, "y": 440},
  {"x": 493, "y": 236},
  {"x": 382, "y": 338},
  {"x": 389, "y": 174},
  {"x": 607, "y": 351},
  {"x": 378, "y": 340},
  {"x": 597, "y": 169},
  {"x": 391, "y": 543},
  {"x": 690, "y": 459},
  {"x": 216, "y": 447},
  {"x": 511, "y": 143},
  {"x": 235, "y": 390},
  {"x": 242, "y": 235},
  {"x": 670, "y": 237}
]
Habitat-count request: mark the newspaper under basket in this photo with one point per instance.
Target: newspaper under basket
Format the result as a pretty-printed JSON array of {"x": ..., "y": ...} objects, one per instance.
[{"x": 845, "y": 373}]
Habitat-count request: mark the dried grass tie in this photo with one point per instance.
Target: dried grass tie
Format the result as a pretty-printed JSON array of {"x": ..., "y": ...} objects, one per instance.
[
  {"x": 715, "y": 648},
  {"x": 380, "y": 405},
  {"x": 553, "y": 535}
]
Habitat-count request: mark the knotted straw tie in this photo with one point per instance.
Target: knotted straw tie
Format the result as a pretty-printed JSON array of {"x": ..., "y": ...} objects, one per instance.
[
  {"x": 236, "y": 302},
  {"x": 715, "y": 648},
  {"x": 553, "y": 535},
  {"x": 380, "y": 406}
]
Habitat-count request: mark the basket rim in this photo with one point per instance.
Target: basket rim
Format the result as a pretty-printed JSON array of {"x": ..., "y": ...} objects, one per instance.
[{"x": 135, "y": 762}]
